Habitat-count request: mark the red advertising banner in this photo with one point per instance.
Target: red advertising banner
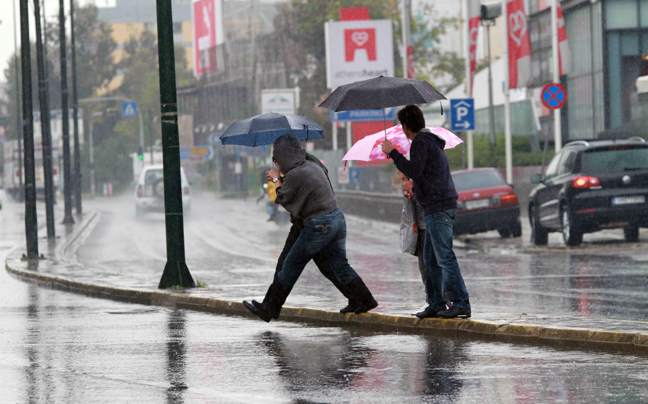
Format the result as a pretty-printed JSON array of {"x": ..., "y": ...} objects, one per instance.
[
  {"x": 207, "y": 34},
  {"x": 519, "y": 46},
  {"x": 474, "y": 16},
  {"x": 564, "y": 54}
]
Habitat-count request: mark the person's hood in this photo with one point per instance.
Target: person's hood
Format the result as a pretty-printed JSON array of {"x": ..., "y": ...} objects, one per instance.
[
  {"x": 288, "y": 152},
  {"x": 429, "y": 135}
]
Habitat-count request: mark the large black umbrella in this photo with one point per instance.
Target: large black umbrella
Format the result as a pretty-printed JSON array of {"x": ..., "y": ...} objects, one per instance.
[
  {"x": 381, "y": 92},
  {"x": 264, "y": 129}
]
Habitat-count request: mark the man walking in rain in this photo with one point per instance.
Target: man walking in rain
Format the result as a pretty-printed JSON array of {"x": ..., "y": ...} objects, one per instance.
[
  {"x": 435, "y": 191},
  {"x": 305, "y": 192}
]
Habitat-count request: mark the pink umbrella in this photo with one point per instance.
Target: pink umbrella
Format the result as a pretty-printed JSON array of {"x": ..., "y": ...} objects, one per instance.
[{"x": 369, "y": 148}]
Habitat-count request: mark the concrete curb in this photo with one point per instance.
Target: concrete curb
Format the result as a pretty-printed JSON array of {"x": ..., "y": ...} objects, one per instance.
[{"x": 553, "y": 332}]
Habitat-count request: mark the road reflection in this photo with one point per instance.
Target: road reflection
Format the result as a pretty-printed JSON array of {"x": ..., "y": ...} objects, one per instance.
[{"x": 176, "y": 356}]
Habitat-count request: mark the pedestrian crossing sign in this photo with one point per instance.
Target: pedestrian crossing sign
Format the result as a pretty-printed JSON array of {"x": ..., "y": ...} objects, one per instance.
[{"x": 129, "y": 110}]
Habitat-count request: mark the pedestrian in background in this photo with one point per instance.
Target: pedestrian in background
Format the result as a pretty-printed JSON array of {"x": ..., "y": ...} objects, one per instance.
[
  {"x": 435, "y": 190},
  {"x": 305, "y": 192}
]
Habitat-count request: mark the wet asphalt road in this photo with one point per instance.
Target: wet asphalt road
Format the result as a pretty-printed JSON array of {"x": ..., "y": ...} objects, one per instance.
[
  {"x": 58, "y": 347},
  {"x": 231, "y": 247}
]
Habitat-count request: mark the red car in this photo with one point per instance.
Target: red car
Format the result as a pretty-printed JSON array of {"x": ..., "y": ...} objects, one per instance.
[{"x": 486, "y": 202}]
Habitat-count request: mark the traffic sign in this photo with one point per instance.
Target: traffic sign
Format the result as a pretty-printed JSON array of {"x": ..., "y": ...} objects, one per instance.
[
  {"x": 354, "y": 175},
  {"x": 363, "y": 115},
  {"x": 129, "y": 109},
  {"x": 553, "y": 96},
  {"x": 462, "y": 111}
]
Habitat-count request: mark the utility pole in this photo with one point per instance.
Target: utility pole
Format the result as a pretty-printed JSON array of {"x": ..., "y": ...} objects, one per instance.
[
  {"x": 31, "y": 221},
  {"x": 45, "y": 126},
  {"x": 176, "y": 272},
  {"x": 556, "y": 73},
  {"x": 75, "y": 118},
  {"x": 21, "y": 189},
  {"x": 67, "y": 177}
]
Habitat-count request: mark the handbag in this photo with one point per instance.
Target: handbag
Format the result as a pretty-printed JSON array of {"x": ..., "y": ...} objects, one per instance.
[{"x": 408, "y": 227}]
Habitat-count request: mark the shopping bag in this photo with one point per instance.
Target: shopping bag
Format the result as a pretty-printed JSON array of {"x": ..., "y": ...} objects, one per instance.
[{"x": 408, "y": 228}]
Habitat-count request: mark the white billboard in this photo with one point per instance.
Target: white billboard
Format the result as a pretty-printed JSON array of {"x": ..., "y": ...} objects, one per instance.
[
  {"x": 358, "y": 50},
  {"x": 281, "y": 100}
]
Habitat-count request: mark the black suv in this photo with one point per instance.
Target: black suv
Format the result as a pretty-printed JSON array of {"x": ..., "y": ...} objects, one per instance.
[{"x": 590, "y": 186}]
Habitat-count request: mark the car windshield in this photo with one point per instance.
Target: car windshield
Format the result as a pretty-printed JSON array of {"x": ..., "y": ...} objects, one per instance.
[
  {"x": 615, "y": 159},
  {"x": 477, "y": 180}
]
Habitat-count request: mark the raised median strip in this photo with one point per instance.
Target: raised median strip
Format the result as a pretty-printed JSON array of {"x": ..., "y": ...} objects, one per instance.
[{"x": 617, "y": 335}]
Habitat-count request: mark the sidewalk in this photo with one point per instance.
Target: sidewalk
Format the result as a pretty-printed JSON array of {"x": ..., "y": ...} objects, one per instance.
[{"x": 52, "y": 272}]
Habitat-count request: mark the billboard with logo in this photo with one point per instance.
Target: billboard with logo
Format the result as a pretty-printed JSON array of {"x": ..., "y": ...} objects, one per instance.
[
  {"x": 281, "y": 100},
  {"x": 358, "y": 50},
  {"x": 207, "y": 21}
]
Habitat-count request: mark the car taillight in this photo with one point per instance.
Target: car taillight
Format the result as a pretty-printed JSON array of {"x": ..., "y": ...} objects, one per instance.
[
  {"x": 55, "y": 171},
  {"x": 139, "y": 191},
  {"x": 185, "y": 190},
  {"x": 583, "y": 182},
  {"x": 509, "y": 200}
]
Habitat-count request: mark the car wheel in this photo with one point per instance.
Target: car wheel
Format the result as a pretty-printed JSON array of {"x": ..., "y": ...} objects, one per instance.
[
  {"x": 572, "y": 235},
  {"x": 539, "y": 234},
  {"x": 631, "y": 235},
  {"x": 516, "y": 230},
  {"x": 504, "y": 232}
]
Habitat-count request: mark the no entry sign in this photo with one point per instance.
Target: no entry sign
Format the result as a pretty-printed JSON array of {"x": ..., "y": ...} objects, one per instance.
[{"x": 553, "y": 96}]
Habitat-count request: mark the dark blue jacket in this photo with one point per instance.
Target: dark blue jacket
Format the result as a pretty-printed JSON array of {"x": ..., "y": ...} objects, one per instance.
[{"x": 428, "y": 167}]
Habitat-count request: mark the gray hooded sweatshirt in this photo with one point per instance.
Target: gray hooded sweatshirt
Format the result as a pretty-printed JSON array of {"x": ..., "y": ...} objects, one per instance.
[{"x": 305, "y": 191}]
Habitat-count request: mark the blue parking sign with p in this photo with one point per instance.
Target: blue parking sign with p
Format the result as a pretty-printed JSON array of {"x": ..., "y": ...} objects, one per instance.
[
  {"x": 129, "y": 109},
  {"x": 463, "y": 114}
]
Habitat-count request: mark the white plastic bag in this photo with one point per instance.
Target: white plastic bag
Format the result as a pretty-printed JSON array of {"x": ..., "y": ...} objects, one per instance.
[{"x": 408, "y": 227}]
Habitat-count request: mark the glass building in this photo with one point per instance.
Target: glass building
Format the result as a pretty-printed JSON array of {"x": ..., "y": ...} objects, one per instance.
[{"x": 608, "y": 40}]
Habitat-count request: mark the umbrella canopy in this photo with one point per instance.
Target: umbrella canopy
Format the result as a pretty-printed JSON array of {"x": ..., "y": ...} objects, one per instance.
[
  {"x": 381, "y": 92},
  {"x": 264, "y": 129},
  {"x": 369, "y": 148}
]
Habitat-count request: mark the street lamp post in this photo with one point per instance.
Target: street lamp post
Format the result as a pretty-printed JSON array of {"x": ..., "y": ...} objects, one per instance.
[
  {"x": 91, "y": 151},
  {"x": 67, "y": 177},
  {"x": 489, "y": 12}
]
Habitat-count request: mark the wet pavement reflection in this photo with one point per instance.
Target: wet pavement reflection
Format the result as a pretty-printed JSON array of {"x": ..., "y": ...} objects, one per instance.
[
  {"x": 58, "y": 347},
  {"x": 232, "y": 248}
]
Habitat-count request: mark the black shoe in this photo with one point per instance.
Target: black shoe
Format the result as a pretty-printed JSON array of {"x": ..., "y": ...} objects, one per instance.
[
  {"x": 455, "y": 312},
  {"x": 350, "y": 308},
  {"x": 361, "y": 294},
  {"x": 429, "y": 312},
  {"x": 256, "y": 309}
]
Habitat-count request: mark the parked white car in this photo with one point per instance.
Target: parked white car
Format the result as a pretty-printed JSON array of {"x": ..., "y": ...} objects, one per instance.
[{"x": 149, "y": 192}]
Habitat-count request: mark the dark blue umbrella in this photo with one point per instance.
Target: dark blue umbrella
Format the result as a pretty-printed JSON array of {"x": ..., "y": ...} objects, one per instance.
[{"x": 264, "y": 129}]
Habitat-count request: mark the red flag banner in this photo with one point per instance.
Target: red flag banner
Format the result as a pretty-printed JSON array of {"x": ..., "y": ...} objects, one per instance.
[
  {"x": 564, "y": 54},
  {"x": 519, "y": 46},
  {"x": 474, "y": 16}
]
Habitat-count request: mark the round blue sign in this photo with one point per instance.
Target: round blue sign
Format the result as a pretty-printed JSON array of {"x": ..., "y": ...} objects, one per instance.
[{"x": 553, "y": 96}]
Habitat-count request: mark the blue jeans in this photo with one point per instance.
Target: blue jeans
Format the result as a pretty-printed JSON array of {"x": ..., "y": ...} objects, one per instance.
[
  {"x": 327, "y": 233},
  {"x": 441, "y": 264}
]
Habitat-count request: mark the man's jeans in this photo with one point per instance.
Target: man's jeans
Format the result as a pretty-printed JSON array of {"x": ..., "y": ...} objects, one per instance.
[
  {"x": 440, "y": 262},
  {"x": 328, "y": 233}
]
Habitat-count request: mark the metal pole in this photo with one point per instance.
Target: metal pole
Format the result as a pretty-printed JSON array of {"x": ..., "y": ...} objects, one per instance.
[
  {"x": 467, "y": 38},
  {"x": 45, "y": 125},
  {"x": 349, "y": 135},
  {"x": 75, "y": 117},
  {"x": 175, "y": 270},
  {"x": 507, "y": 106},
  {"x": 556, "y": 72},
  {"x": 21, "y": 189},
  {"x": 31, "y": 221},
  {"x": 65, "y": 118},
  {"x": 91, "y": 147},
  {"x": 491, "y": 109},
  {"x": 335, "y": 135},
  {"x": 405, "y": 9}
]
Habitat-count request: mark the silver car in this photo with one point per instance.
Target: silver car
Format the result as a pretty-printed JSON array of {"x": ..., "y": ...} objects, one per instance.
[{"x": 149, "y": 192}]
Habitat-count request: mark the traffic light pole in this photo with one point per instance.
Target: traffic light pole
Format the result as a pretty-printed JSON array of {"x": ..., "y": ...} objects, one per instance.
[
  {"x": 67, "y": 175},
  {"x": 176, "y": 272},
  {"x": 31, "y": 221},
  {"x": 75, "y": 116}
]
